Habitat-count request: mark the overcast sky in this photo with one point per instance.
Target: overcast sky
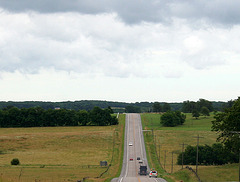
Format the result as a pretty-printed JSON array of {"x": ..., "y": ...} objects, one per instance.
[{"x": 130, "y": 51}]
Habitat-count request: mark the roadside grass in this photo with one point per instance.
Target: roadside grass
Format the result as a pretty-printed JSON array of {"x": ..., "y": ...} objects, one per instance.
[
  {"x": 170, "y": 139},
  {"x": 203, "y": 123},
  {"x": 60, "y": 153}
]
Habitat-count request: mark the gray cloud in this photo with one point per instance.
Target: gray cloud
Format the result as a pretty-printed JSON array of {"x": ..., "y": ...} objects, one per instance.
[{"x": 135, "y": 11}]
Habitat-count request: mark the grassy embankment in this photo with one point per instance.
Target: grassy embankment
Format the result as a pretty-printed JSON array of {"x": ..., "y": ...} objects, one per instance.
[
  {"x": 170, "y": 140},
  {"x": 60, "y": 153}
]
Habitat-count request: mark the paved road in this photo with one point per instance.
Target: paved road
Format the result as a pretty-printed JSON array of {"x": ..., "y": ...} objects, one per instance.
[{"x": 130, "y": 169}]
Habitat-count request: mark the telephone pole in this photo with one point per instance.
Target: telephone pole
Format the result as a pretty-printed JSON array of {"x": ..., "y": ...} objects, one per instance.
[
  {"x": 183, "y": 144},
  {"x": 197, "y": 152},
  {"x": 159, "y": 152},
  {"x": 172, "y": 163},
  {"x": 165, "y": 160}
]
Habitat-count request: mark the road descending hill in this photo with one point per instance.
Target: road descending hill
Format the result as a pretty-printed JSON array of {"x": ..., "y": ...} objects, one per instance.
[{"x": 134, "y": 147}]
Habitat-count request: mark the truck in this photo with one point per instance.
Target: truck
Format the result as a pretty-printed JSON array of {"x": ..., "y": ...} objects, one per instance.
[{"x": 143, "y": 170}]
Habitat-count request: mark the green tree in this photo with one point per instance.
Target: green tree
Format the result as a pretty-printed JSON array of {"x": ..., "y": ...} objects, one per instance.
[
  {"x": 208, "y": 155},
  {"x": 205, "y": 111},
  {"x": 15, "y": 161},
  {"x": 226, "y": 123},
  {"x": 172, "y": 118},
  {"x": 83, "y": 117},
  {"x": 204, "y": 103},
  {"x": 166, "y": 107},
  {"x": 110, "y": 110},
  {"x": 195, "y": 114},
  {"x": 189, "y": 106},
  {"x": 102, "y": 117},
  {"x": 132, "y": 109},
  {"x": 157, "y": 107}
]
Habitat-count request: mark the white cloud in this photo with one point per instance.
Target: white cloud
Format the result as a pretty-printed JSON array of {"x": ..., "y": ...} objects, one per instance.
[{"x": 69, "y": 55}]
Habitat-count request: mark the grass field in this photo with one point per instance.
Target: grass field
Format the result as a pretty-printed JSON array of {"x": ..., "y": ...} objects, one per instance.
[
  {"x": 60, "y": 153},
  {"x": 169, "y": 142}
]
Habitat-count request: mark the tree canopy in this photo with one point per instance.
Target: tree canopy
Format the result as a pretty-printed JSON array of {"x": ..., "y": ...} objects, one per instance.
[
  {"x": 37, "y": 116},
  {"x": 216, "y": 154},
  {"x": 227, "y": 124},
  {"x": 172, "y": 118}
]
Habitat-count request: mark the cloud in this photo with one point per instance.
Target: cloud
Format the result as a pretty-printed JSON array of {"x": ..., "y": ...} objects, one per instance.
[
  {"x": 135, "y": 11},
  {"x": 102, "y": 44}
]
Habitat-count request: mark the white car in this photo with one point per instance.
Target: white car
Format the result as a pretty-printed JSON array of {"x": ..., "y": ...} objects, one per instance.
[
  {"x": 153, "y": 173},
  {"x": 130, "y": 144}
]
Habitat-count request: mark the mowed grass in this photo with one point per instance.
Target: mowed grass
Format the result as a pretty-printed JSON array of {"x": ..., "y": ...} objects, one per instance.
[
  {"x": 170, "y": 139},
  {"x": 59, "y": 153}
]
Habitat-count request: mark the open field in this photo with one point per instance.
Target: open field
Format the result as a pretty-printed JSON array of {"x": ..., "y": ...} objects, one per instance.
[
  {"x": 60, "y": 153},
  {"x": 169, "y": 139}
]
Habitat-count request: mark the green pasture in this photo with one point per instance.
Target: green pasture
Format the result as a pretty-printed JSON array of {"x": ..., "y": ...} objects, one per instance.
[{"x": 165, "y": 143}]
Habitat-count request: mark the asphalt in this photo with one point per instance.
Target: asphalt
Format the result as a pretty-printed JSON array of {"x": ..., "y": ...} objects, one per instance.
[{"x": 130, "y": 169}]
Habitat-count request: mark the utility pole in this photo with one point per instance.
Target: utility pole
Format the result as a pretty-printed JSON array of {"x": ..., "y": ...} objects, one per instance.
[
  {"x": 165, "y": 159},
  {"x": 197, "y": 152},
  {"x": 172, "y": 163},
  {"x": 182, "y": 152},
  {"x": 159, "y": 152},
  {"x": 238, "y": 132}
]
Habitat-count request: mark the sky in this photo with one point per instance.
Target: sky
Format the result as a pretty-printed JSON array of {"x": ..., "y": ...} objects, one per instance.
[{"x": 126, "y": 51}]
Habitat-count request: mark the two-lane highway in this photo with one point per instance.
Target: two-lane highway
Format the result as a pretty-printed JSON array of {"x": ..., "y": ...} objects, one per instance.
[{"x": 134, "y": 147}]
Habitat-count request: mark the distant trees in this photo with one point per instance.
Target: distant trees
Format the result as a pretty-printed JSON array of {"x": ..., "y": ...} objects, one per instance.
[
  {"x": 191, "y": 106},
  {"x": 172, "y": 118},
  {"x": 216, "y": 154},
  {"x": 132, "y": 109},
  {"x": 166, "y": 107},
  {"x": 37, "y": 116},
  {"x": 157, "y": 107}
]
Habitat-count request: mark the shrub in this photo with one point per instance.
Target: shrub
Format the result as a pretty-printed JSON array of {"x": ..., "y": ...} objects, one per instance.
[
  {"x": 15, "y": 161},
  {"x": 172, "y": 118}
]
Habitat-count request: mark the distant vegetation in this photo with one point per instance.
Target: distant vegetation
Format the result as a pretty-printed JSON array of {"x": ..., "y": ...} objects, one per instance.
[
  {"x": 37, "y": 116},
  {"x": 116, "y": 106}
]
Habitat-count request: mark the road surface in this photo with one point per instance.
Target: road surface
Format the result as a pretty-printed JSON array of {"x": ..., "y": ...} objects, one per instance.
[{"x": 130, "y": 169}]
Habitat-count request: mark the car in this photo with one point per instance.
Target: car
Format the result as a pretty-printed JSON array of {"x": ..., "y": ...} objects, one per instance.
[
  {"x": 130, "y": 144},
  {"x": 131, "y": 159},
  {"x": 140, "y": 161},
  {"x": 153, "y": 173},
  {"x": 138, "y": 158}
]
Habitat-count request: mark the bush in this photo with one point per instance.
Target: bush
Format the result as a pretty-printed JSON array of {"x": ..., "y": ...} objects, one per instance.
[
  {"x": 172, "y": 118},
  {"x": 15, "y": 161}
]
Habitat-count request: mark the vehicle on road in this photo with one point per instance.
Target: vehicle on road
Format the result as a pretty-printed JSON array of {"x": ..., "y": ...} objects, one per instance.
[
  {"x": 143, "y": 170},
  {"x": 140, "y": 161},
  {"x": 138, "y": 158},
  {"x": 131, "y": 159},
  {"x": 153, "y": 173},
  {"x": 130, "y": 144}
]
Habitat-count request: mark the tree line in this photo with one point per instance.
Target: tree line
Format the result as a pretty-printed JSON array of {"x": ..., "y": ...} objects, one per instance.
[
  {"x": 216, "y": 154},
  {"x": 116, "y": 106},
  {"x": 39, "y": 117}
]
